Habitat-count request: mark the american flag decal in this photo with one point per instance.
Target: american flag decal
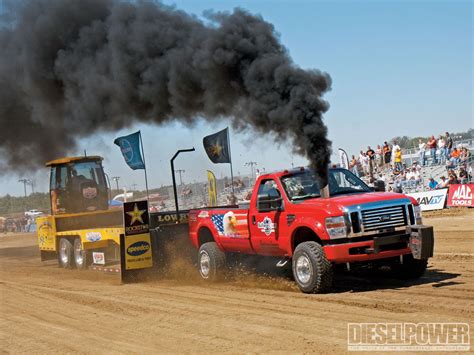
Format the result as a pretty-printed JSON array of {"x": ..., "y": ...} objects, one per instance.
[
  {"x": 217, "y": 220},
  {"x": 231, "y": 224}
]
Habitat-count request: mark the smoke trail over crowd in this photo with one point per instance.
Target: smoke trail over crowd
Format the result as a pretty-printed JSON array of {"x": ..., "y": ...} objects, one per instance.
[{"x": 69, "y": 69}]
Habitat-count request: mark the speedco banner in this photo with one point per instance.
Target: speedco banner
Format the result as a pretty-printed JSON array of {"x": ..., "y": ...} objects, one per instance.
[
  {"x": 430, "y": 200},
  {"x": 461, "y": 195}
]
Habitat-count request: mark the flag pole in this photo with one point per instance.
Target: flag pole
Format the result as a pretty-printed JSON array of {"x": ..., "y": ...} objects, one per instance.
[
  {"x": 144, "y": 163},
  {"x": 230, "y": 157}
]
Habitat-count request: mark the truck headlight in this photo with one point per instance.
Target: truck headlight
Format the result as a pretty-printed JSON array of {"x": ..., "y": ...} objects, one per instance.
[
  {"x": 336, "y": 227},
  {"x": 417, "y": 212}
]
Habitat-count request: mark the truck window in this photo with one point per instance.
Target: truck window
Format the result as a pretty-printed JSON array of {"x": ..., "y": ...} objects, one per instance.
[
  {"x": 52, "y": 179},
  {"x": 344, "y": 181},
  {"x": 90, "y": 171},
  {"x": 305, "y": 185},
  {"x": 61, "y": 178},
  {"x": 269, "y": 187}
]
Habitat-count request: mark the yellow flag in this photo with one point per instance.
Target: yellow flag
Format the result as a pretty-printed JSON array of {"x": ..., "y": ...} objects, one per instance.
[{"x": 212, "y": 188}]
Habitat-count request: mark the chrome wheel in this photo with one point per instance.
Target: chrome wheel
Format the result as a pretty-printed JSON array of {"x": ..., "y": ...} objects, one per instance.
[
  {"x": 64, "y": 251},
  {"x": 204, "y": 263},
  {"x": 304, "y": 269},
  {"x": 78, "y": 254}
]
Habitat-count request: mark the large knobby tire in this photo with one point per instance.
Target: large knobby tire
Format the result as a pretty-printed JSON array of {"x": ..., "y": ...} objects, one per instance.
[
  {"x": 410, "y": 269},
  {"x": 66, "y": 254},
  {"x": 211, "y": 262},
  {"x": 80, "y": 255},
  {"x": 311, "y": 269}
]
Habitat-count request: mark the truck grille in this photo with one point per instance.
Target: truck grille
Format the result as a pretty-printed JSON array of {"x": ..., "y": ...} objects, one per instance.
[{"x": 383, "y": 218}]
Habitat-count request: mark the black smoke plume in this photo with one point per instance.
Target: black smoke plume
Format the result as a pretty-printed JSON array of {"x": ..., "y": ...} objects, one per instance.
[{"x": 72, "y": 68}]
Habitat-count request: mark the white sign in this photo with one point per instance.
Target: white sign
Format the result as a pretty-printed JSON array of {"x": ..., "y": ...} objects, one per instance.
[
  {"x": 99, "y": 258},
  {"x": 431, "y": 200}
]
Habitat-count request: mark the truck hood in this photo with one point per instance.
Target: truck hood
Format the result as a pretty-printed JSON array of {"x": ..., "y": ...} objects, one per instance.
[{"x": 335, "y": 205}]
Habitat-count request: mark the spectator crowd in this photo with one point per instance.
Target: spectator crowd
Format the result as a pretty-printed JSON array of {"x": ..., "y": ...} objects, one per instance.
[{"x": 386, "y": 162}]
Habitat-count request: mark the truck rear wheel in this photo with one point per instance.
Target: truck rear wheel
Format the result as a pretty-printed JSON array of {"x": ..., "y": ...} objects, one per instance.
[
  {"x": 311, "y": 269},
  {"x": 66, "y": 253},
  {"x": 211, "y": 262},
  {"x": 80, "y": 255},
  {"x": 410, "y": 269}
]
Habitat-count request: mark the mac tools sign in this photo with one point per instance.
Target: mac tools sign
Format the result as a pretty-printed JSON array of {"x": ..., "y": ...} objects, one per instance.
[
  {"x": 431, "y": 200},
  {"x": 461, "y": 195}
]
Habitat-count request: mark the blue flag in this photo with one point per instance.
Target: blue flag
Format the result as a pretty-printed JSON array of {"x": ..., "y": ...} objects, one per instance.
[{"x": 130, "y": 147}]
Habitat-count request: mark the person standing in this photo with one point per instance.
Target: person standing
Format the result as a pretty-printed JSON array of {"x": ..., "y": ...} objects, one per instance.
[
  {"x": 371, "y": 156},
  {"x": 395, "y": 147},
  {"x": 432, "y": 146},
  {"x": 422, "y": 151},
  {"x": 398, "y": 159},
  {"x": 442, "y": 149},
  {"x": 379, "y": 157},
  {"x": 387, "y": 154},
  {"x": 353, "y": 166},
  {"x": 449, "y": 145}
]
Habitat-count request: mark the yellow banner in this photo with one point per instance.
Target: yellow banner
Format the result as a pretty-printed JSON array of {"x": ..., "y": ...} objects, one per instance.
[
  {"x": 212, "y": 188},
  {"x": 138, "y": 251}
]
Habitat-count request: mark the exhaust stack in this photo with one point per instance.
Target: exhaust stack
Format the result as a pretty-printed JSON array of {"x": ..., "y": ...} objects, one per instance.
[{"x": 324, "y": 192}]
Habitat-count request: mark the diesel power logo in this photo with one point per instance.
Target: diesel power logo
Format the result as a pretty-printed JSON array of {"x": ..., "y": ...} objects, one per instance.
[{"x": 408, "y": 337}]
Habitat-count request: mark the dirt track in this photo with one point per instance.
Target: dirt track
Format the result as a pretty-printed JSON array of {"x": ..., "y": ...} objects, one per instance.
[{"x": 47, "y": 309}]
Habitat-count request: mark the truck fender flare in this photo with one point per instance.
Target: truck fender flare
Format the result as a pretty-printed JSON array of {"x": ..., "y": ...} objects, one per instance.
[
  {"x": 304, "y": 233},
  {"x": 205, "y": 235}
]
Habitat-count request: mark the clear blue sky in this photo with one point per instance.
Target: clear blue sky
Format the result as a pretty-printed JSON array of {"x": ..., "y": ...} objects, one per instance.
[{"x": 398, "y": 68}]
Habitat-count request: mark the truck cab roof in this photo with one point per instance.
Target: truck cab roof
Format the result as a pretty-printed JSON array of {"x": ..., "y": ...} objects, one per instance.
[{"x": 67, "y": 160}]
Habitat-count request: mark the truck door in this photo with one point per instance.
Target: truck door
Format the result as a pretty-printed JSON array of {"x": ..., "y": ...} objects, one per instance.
[
  {"x": 265, "y": 222},
  {"x": 58, "y": 193}
]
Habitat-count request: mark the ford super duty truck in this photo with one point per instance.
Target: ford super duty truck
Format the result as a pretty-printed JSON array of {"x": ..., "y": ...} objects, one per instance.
[{"x": 291, "y": 217}]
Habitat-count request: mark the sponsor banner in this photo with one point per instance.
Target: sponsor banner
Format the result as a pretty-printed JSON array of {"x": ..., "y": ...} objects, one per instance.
[
  {"x": 431, "y": 200},
  {"x": 136, "y": 218},
  {"x": 461, "y": 195},
  {"x": 212, "y": 188},
  {"x": 130, "y": 147},
  {"x": 138, "y": 251},
  {"x": 343, "y": 158},
  {"x": 137, "y": 241}
]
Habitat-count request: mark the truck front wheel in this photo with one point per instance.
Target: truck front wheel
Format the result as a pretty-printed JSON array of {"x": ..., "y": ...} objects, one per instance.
[
  {"x": 66, "y": 253},
  {"x": 311, "y": 269},
  {"x": 211, "y": 262}
]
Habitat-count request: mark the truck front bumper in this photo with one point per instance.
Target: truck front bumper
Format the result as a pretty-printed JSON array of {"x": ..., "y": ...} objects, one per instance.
[{"x": 418, "y": 241}]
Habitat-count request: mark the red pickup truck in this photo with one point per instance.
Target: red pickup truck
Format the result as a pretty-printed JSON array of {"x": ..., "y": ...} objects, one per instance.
[{"x": 290, "y": 217}]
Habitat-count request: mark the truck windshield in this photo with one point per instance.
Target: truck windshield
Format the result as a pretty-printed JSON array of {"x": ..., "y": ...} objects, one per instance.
[
  {"x": 90, "y": 171},
  {"x": 305, "y": 185}
]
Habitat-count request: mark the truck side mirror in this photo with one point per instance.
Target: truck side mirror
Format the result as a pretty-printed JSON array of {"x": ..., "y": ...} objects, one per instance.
[{"x": 267, "y": 203}]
